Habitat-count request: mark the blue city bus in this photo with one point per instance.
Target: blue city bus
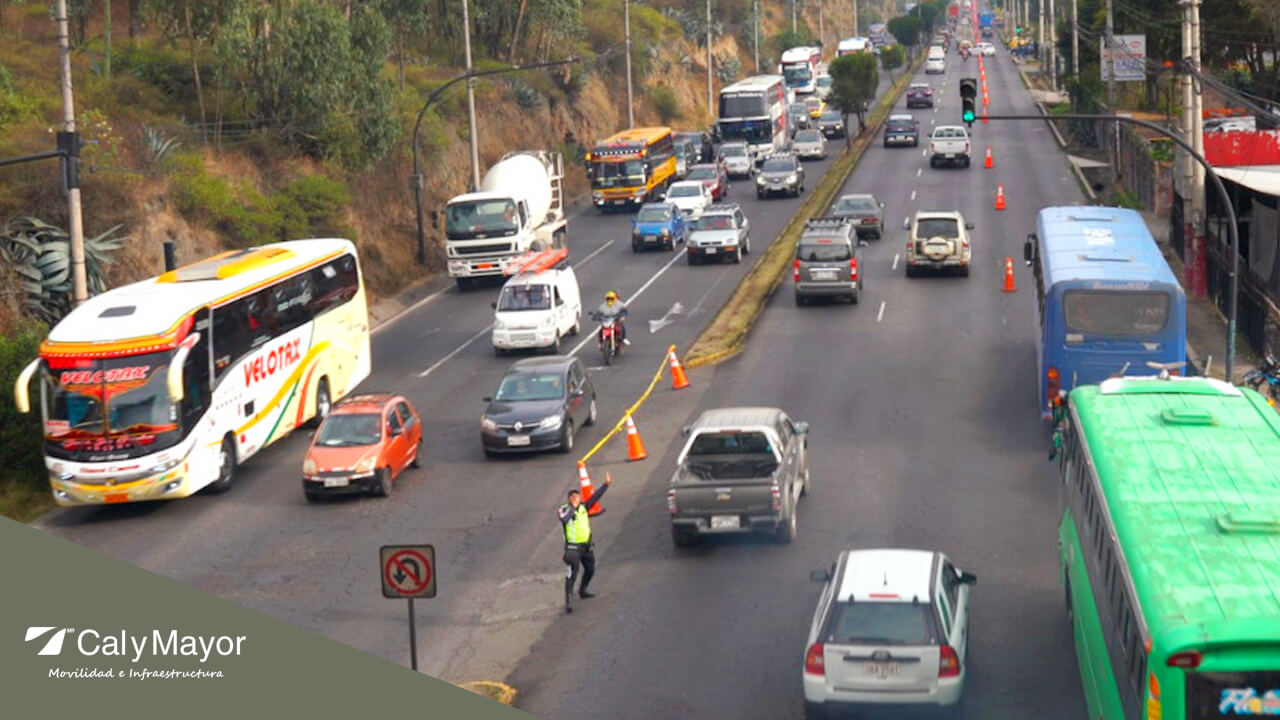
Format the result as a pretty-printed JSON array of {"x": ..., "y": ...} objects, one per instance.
[{"x": 1106, "y": 300}]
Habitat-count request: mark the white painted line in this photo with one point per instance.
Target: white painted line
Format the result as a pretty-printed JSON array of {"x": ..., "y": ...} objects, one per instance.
[
  {"x": 880, "y": 315},
  {"x": 919, "y": 172},
  {"x": 392, "y": 320},
  {"x": 455, "y": 352},
  {"x": 913, "y": 194},
  {"x": 592, "y": 335},
  {"x": 924, "y": 152},
  {"x": 895, "y": 260},
  {"x": 594, "y": 253}
]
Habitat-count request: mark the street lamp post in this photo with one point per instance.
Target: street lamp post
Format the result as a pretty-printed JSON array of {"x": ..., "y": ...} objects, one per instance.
[
  {"x": 416, "y": 180},
  {"x": 471, "y": 99},
  {"x": 631, "y": 105}
]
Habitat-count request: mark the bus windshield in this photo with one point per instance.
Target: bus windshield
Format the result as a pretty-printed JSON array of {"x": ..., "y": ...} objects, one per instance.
[
  {"x": 742, "y": 105},
  {"x": 798, "y": 74},
  {"x": 752, "y": 131},
  {"x": 621, "y": 173},
  {"x": 1117, "y": 313},
  {"x": 114, "y": 408},
  {"x": 490, "y": 218}
]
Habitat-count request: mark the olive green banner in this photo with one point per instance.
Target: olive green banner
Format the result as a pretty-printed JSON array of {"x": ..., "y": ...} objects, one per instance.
[{"x": 85, "y": 635}]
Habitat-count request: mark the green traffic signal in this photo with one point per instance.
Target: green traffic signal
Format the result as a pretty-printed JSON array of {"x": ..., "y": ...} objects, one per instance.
[
  {"x": 968, "y": 116},
  {"x": 1017, "y": 30}
]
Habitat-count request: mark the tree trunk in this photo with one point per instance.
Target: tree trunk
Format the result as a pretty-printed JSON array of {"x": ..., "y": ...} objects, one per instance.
[
  {"x": 135, "y": 18},
  {"x": 106, "y": 38},
  {"x": 515, "y": 35},
  {"x": 400, "y": 57},
  {"x": 195, "y": 70}
]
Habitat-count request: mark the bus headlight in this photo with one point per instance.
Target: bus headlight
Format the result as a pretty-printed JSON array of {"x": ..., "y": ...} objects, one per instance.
[
  {"x": 164, "y": 467},
  {"x": 640, "y": 193}
]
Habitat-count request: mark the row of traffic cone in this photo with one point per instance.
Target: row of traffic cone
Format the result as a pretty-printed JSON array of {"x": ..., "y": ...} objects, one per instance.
[
  {"x": 989, "y": 163},
  {"x": 635, "y": 445}
]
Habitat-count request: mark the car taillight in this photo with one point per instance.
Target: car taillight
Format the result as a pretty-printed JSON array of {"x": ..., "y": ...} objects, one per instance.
[
  {"x": 853, "y": 269},
  {"x": 1187, "y": 659},
  {"x": 965, "y": 243},
  {"x": 948, "y": 662},
  {"x": 775, "y": 497},
  {"x": 966, "y": 148},
  {"x": 797, "y": 277},
  {"x": 671, "y": 501},
  {"x": 813, "y": 662},
  {"x": 1052, "y": 384}
]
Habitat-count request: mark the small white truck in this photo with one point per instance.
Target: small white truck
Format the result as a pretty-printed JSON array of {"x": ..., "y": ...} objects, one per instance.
[
  {"x": 949, "y": 145},
  {"x": 519, "y": 207},
  {"x": 539, "y": 305}
]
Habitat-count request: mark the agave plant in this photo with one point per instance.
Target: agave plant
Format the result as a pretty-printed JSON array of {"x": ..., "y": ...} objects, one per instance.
[
  {"x": 40, "y": 254},
  {"x": 158, "y": 146}
]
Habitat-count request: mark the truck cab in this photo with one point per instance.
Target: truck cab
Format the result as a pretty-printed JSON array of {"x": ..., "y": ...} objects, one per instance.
[{"x": 538, "y": 305}]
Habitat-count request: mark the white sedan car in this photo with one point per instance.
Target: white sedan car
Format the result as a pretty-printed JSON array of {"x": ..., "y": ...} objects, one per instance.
[
  {"x": 935, "y": 66},
  {"x": 891, "y": 628},
  {"x": 691, "y": 196},
  {"x": 985, "y": 48}
]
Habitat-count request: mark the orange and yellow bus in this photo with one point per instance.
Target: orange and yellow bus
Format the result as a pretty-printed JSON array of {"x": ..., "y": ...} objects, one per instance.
[{"x": 631, "y": 167}]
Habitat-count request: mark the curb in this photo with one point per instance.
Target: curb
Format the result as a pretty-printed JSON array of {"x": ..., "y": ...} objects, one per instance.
[
  {"x": 819, "y": 200},
  {"x": 499, "y": 692},
  {"x": 1057, "y": 136}
]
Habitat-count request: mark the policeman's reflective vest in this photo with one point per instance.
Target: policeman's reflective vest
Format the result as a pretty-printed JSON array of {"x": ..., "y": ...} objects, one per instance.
[{"x": 577, "y": 530}]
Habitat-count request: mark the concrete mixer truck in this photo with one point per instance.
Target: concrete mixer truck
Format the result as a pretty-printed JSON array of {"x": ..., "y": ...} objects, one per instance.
[{"x": 519, "y": 207}]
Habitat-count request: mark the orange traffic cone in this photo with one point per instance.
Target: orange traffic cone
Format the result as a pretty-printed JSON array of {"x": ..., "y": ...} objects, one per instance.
[
  {"x": 678, "y": 379},
  {"x": 635, "y": 446},
  {"x": 989, "y": 163},
  {"x": 1000, "y": 197},
  {"x": 584, "y": 482},
  {"x": 984, "y": 114},
  {"x": 1008, "y": 276}
]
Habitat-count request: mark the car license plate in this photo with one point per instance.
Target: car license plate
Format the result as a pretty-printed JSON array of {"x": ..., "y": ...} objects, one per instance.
[
  {"x": 709, "y": 251},
  {"x": 619, "y": 202},
  {"x": 484, "y": 266},
  {"x": 949, "y": 156},
  {"x": 651, "y": 238},
  {"x": 824, "y": 274},
  {"x": 725, "y": 522},
  {"x": 336, "y": 482},
  {"x": 881, "y": 669},
  {"x": 110, "y": 498},
  {"x": 518, "y": 440}
]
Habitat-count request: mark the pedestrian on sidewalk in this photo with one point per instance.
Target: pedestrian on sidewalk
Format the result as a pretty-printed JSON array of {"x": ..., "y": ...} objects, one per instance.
[{"x": 579, "y": 550}]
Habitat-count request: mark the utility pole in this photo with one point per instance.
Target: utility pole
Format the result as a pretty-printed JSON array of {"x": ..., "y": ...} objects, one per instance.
[
  {"x": 710, "y": 100},
  {"x": 1199, "y": 206},
  {"x": 1053, "y": 45},
  {"x": 471, "y": 98},
  {"x": 793, "y": 15},
  {"x": 1075, "y": 40},
  {"x": 1109, "y": 39},
  {"x": 755, "y": 31},
  {"x": 71, "y": 162},
  {"x": 822, "y": 32},
  {"x": 1041, "y": 52},
  {"x": 631, "y": 105},
  {"x": 855, "y": 18}
]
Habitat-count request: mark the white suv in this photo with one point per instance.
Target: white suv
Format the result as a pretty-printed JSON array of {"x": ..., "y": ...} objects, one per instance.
[
  {"x": 691, "y": 196},
  {"x": 939, "y": 240},
  {"x": 891, "y": 628}
]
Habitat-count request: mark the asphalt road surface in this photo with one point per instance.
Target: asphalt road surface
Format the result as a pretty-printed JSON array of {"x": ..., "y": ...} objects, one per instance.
[
  {"x": 924, "y": 434},
  {"x": 498, "y": 543}
]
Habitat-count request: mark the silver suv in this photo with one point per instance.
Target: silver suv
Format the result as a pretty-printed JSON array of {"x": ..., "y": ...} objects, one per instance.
[
  {"x": 891, "y": 627},
  {"x": 829, "y": 261},
  {"x": 939, "y": 240},
  {"x": 780, "y": 173},
  {"x": 721, "y": 232}
]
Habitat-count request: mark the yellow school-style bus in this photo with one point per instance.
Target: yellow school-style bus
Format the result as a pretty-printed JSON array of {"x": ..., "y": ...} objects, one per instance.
[{"x": 631, "y": 167}]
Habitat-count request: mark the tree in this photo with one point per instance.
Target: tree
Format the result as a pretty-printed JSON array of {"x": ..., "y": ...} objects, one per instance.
[
  {"x": 892, "y": 56},
  {"x": 198, "y": 21},
  {"x": 906, "y": 29},
  {"x": 408, "y": 18},
  {"x": 853, "y": 86}
]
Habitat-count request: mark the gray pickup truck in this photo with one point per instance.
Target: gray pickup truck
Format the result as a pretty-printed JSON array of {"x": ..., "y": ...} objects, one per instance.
[{"x": 742, "y": 470}]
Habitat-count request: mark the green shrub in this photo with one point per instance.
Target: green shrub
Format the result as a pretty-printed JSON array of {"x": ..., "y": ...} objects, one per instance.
[
  {"x": 664, "y": 101},
  {"x": 23, "y": 480},
  {"x": 312, "y": 207},
  {"x": 892, "y": 57}
]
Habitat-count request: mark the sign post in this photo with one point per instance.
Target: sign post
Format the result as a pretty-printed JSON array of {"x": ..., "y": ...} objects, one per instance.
[{"x": 408, "y": 572}]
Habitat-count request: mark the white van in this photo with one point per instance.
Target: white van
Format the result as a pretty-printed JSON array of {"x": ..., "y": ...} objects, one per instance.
[{"x": 539, "y": 305}]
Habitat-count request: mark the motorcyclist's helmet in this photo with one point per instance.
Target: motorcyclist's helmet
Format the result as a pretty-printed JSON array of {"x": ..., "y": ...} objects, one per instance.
[{"x": 611, "y": 297}]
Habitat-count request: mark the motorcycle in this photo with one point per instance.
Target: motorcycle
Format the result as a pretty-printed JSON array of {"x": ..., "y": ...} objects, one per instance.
[
  {"x": 1269, "y": 373},
  {"x": 608, "y": 337}
]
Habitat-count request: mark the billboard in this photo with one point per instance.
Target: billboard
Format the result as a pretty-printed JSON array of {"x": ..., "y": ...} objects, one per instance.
[{"x": 1130, "y": 53}]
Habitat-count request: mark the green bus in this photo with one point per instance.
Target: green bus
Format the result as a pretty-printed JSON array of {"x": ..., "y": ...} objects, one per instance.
[{"x": 1170, "y": 547}]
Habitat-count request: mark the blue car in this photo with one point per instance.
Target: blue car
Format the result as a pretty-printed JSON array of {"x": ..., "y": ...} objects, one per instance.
[{"x": 658, "y": 224}]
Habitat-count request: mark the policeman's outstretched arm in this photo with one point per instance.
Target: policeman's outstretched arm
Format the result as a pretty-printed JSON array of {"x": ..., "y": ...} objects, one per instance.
[{"x": 595, "y": 496}]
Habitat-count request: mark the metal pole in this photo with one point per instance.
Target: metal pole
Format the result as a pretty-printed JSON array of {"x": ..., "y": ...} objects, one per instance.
[
  {"x": 170, "y": 255},
  {"x": 1195, "y": 266},
  {"x": 710, "y": 108},
  {"x": 413, "y": 638},
  {"x": 1108, "y": 35},
  {"x": 855, "y": 18},
  {"x": 1075, "y": 40},
  {"x": 793, "y": 15},
  {"x": 755, "y": 31},
  {"x": 1200, "y": 212},
  {"x": 471, "y": 98},
  {"x": 822, "y": 31},
  {"x": 1053, "y": 45},
  {"x": 1233, "y": 236},
  {"x": 631, "y": 105},
  {"x": 71, "y": 172}
]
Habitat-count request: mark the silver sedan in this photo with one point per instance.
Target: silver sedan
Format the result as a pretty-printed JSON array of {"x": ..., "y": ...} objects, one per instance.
[{"x": 810, "y": 145}]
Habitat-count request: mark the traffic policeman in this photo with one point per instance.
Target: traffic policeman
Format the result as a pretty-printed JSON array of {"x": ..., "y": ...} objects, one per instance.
[{"x": 579, "y": 551}]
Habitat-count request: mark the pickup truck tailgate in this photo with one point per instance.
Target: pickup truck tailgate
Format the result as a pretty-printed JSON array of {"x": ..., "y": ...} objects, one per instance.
[{"x": 721, "y": 497}]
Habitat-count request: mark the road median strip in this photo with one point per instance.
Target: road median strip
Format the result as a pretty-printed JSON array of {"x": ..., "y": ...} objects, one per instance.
[{"x": 726, "y": 335}]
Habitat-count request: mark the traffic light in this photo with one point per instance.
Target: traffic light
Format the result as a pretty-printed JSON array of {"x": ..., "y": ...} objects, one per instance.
[
  {"x": 1017, "y": 30},
  {"x": 968, "y": 99}
]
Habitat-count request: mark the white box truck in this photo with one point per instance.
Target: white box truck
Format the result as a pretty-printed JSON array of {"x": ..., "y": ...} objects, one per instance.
[{"x": 519, "y": 207}]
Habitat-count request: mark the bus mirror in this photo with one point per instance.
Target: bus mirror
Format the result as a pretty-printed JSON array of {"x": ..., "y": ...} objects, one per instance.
[
  {"x": 22, "y": 387},
  {"x": 173, "y": 378}
]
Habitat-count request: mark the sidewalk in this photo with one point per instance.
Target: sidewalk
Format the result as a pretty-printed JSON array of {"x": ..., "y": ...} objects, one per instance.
[{"x": 1206, "y": 326}]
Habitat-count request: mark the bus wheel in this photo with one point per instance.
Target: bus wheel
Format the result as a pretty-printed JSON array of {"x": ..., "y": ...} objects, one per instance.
[
  {"x": 226, "y": 467},
  {"x": 324, "y": 403}
]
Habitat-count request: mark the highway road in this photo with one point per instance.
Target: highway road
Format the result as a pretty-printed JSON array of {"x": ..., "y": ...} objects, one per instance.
[
  {"x": 925, "y": 434},
  {"x": 492, "y": 522}
]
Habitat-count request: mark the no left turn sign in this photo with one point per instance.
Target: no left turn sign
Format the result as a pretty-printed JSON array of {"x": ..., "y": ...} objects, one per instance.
[{"x": 408, "y": 571}]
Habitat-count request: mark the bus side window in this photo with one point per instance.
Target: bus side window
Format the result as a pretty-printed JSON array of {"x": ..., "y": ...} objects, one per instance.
[
  {"x": 195, "y": 377},
  {"x": 230, "y": 336},
  {"x": 292, "y": 301},
  {"x": 264, "y": 323}
]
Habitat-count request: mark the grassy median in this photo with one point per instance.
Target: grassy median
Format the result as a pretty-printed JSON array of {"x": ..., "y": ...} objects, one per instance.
[{"x": 727, "y": 333}]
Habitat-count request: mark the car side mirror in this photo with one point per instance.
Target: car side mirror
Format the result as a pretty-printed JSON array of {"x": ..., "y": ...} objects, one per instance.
[
  {"x": 395, "y": 432},
  {"x": 487, "y": 398},
  {"x": 802, "y": 428},
  {"x": 819, "y": 576},
  {"x": 881, "y": 205},
  {"x": 863, "y": 243},
  {"x": 494, "y": 304},
  {"x": 906, "y": 224},
  {"x": 686, "y": 429},
  {"x": 967, "y": 578},
  {"x": 968, "y": 226},
  {"x": 1027, "y": 251}
]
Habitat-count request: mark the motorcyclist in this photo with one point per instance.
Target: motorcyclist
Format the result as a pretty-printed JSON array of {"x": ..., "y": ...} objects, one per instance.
[{"x": 614, "y": 308}]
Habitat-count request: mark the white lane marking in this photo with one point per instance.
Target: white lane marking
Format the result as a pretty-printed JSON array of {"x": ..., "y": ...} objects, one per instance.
[
  {"x": 913, "y": 194},
  {"x": 455, "y": 352},
  {"x": 895, "y": 260},
  {"x": 880, "y": 315},
  {"x": 592, "y": 335},
  {"x": 594, "y": 253},
  {"x": 924, "y": 152},
  {"x": 919, "y": 172}
]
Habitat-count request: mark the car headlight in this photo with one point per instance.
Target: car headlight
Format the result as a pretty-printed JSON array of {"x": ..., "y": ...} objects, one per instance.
[
  {"x": 550, "y": 423},
  {"x": 791, "y": 178},
  {"x": 308, "y": 467},
  {"x": 547, "y": 321},
  {"x": 760, "y": 180},
  {"x": 498, "y": 324},
  {"x": 366, "y": 465},
  {"x": 640, "y": 193},
  {"x": 666, "y": 232},
  {"x": 487, "y": 424},
  {"x": 635, "y": 232}
]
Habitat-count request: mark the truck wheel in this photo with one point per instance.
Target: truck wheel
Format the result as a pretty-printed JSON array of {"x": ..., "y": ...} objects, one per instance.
[
  {"x": 560, "y": 239},
  {"x": 682, "y": 537},
  {"x": 787, "y": 530},
  {"x": 555, "y": 345}
]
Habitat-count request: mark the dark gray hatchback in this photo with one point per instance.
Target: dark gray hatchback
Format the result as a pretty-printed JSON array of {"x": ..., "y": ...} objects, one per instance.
[{"x": 539, "y": 405}]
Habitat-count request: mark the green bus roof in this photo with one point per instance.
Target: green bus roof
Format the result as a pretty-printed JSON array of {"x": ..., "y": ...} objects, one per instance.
[{"x": 1190, "y": 469}]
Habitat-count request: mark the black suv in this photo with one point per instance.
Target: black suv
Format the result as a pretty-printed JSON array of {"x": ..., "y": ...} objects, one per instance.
[
  {"x": 781, "y": 173},
  {"x": 901, "y": 130}
]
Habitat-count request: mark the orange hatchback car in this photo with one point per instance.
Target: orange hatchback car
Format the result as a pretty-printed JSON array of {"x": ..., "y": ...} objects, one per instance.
[{"x": 364, "y": 444}]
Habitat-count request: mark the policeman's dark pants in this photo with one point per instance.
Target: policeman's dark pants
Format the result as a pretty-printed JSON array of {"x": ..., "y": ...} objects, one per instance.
[{"x": 580, "y": 556}]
